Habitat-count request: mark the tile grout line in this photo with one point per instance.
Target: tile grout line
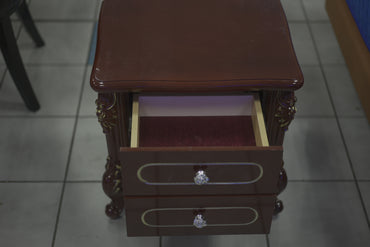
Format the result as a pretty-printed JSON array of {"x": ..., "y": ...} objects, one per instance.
[
  {"x": 337, "y": 118},
  {"x": 72, "y": 142},
  {"x": 66, "y": 170},
  {"x": 267, "y": 240}
]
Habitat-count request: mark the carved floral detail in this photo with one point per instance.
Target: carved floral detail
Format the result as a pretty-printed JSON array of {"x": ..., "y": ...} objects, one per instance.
[
  {"x": 286, "y": 110},
  {"x": 106, "y": 111},
  {"x": 112, "y": 176}
]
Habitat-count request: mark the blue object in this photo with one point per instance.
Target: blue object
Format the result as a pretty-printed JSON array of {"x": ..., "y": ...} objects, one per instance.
[
  {"x": 360, "y": 10},
  {"x": 93, "y": 45}
]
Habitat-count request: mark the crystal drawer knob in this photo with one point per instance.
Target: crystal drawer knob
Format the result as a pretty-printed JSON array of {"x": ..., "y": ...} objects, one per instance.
[
  {"x": 201, "y": 178},
  {"x": 199, "y": 221}
]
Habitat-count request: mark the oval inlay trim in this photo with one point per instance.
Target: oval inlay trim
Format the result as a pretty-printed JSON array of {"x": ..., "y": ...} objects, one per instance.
[
  {"x": 143, "y": 180},
  {"x": 192, "y": 209}
]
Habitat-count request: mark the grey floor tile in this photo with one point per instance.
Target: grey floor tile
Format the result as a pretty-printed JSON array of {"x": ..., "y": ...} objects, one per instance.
[
  {"x": 28, "y": 213},
  {"x": 327, "y": 44},
  {"x": 315, "y": 10},
  {"x": 365, "y": 192},
  {"x": 63, "y": 10},
  {"x": 356, "y": 133},
  {"x": 66, "y": 43},
  {"x": 57, "y": 89},
  {"x": 313, "y": 150},
  {"x": 303, "y": 44},
  {"x": 98, "y": 10},
  {"x": 293, "y": 10},
  {"x": 215, "y": 241},
  {"x": 320, "y": 215},
  {"x": 313, "y": 98},
  {"x": 345, "y": 98},
  {"x": 89, "y": 151},
  {"x": 83, "y": 222},
  {"x": 88, "y": 107},
  {"x": 34, "y": 148}
]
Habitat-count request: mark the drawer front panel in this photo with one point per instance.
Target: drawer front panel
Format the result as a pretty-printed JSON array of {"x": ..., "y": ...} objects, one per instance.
[
  {"x": 222, "y": 173},
  {"x": 201, "y": 171},
  {"x": 198, "y": 215}
]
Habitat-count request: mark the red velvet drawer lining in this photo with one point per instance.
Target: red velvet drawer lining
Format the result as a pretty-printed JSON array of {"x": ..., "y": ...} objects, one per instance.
[{"x": 196, "y": 131}]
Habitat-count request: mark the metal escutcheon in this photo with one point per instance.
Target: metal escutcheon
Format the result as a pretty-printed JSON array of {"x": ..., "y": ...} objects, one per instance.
[
  {"x": 199, "y": 221},
  {"x": 201, "y": 178}
]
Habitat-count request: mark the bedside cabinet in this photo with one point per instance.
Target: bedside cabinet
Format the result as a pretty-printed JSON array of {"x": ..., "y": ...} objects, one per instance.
[{"x": 194, "y": 99}]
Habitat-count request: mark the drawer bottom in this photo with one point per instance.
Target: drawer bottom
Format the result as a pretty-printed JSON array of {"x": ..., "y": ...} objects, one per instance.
[{"x": 200, "y": 215}]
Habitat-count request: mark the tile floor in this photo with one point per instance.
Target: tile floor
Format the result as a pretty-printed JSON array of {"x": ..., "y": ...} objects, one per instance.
[{"x": 51, "y": 161}]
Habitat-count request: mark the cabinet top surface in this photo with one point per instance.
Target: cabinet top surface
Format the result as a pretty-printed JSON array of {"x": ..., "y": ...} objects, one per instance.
[{"x": 192, "y": 45}]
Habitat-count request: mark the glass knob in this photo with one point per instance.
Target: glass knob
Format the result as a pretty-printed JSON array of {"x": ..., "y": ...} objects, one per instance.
[
  {"x": 199, "y": 221},
  {"x": 201, "y": 178}
]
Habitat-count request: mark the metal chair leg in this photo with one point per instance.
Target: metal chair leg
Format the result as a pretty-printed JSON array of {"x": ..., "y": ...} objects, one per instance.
[
  {"x": 9, "y": 48},
  {"x": 25, "y": 15}
]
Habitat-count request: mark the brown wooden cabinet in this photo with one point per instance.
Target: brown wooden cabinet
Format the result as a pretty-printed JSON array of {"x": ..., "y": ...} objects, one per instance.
[{"x": 194, "y": 99}]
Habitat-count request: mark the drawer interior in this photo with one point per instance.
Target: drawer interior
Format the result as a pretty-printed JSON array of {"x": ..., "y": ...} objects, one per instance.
[{"x": 227, "y": 120}]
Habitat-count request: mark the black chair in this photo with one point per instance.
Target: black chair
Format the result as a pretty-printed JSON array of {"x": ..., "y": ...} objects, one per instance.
[{"x": 9, "y": 48}]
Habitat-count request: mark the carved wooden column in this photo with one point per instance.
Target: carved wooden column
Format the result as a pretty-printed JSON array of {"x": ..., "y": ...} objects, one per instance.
[
  {"x": 279, "y": 109},
  {"x": 115, "y": 129}
]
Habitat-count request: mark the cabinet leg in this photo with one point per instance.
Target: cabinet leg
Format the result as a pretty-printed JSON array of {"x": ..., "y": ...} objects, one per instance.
[
  {"x": 279, "y": 109},
  {"x": 107, "y": 113},
  {"x": 114, "y": 209},
  {"x": 282, "y": 183},
  {"x": 278, "y": 207},
  {"x": 112, "y": 187},
  {"x": 283, "y": 180}
]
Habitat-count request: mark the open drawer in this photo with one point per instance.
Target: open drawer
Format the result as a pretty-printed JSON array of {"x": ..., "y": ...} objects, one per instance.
[{"x": 189, "y": 145}]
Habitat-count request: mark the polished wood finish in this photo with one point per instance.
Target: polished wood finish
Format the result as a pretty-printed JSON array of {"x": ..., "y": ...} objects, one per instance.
[
  {"x": 187, "y": 47},
  {"x": 208, "y": 45},
  {"x": 230, "y": 213},
  {"x": 185, "y": 161}
]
